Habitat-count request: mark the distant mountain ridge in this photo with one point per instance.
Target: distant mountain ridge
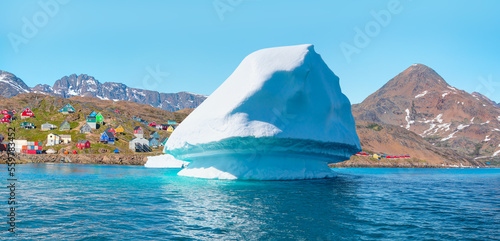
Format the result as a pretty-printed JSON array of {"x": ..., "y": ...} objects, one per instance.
[{"x": 87, "y": 86}]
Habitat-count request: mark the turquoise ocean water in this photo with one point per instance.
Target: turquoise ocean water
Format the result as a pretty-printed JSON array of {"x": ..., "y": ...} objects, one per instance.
[{"x": 91, "y": 202}]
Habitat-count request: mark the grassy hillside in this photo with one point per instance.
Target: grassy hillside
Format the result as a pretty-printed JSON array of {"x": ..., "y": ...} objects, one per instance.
[{"x": 46, "y": 109}]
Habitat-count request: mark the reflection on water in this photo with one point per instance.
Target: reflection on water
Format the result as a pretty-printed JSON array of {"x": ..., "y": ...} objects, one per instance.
[{"x": 74, "y": 202}]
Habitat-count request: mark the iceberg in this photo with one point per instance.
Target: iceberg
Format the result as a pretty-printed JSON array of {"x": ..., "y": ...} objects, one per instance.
[
  {"x": 280, "y": 115},
  {"x": 165, "y": 161}
]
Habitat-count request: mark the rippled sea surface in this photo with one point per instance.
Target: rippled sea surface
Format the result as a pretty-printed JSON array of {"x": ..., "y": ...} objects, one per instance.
[{"x": 90, "y": 202}]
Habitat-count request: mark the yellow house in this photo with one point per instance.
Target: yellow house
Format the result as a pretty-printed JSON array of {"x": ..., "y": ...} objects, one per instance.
[
  {"x": 119, "y": 129},
  {"x": 376, "y": 156},
  {"x": 170, "y": 128}
]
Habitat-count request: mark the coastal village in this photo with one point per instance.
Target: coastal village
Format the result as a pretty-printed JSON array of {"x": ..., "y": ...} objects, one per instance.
[{"x": 96, "y": 133}]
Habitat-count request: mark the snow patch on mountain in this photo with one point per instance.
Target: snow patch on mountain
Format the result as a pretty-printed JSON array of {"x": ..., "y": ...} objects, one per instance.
[{"x": 421, "y": 94}]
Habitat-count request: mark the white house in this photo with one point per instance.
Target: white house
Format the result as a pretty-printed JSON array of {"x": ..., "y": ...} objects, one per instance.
[
  {"x": 53, "y": 139},
  {"x": 143, "y": 141}
]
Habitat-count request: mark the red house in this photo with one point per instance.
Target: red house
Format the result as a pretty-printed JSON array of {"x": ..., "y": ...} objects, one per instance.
[
  {"x": 4, "y": 112},
  {"x": 27, "y": 113},
  {"x": 110, "y": 129},
  {"x": 153, "y": 124},
  {"x": 82, "y": 144},
  {"x": 5, "y": 120},
  {"x": 138, "y": 130},
  {"x": 117, "y": 111}
]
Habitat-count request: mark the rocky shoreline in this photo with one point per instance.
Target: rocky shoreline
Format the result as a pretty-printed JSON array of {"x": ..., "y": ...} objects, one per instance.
[
  {"x": 110, "y": 159},
  {"x": 140, "y": 160}
]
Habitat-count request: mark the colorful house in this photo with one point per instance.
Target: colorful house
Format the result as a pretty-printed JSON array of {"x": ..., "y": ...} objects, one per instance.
[
  {"x": 27, "y": 113},
  {"x": 92, "y": 122},
  {"x": 8, "y": 114},
  {"x": 117, "y": 111},
  {"x": 153, "y": 142},
  {"x": 67, "y": 109},
  {"x": 93, "y": 114},
  {"x": 85, "y": 129},
  {"x": 152, "y": 124},
  {"x": 107, "y": 137},
  {"x": 110, "y": 129},
  {"x": 163, "y": 141},
  {"x": 27, "y": 125},
  {"x": 83, "y": 144},
  {"x": 138, "y": 132},
  {"x": 53, "y": 139},
  {"x": 119, "y": 129},
  {"x": 5, "y": 120},
  {"x": 172, "y": 122},
  {"x": 116, "y": 151},
  {"x": 170, "y": 128},
  {"x": 64, "y": 126},
  {"x": 99, "y": 118},
  {"x": 155, "y": 135},
  {"x": 66, "y": 139}
]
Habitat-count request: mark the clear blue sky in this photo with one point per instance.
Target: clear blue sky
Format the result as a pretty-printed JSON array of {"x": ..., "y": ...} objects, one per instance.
[{"x": 199, "y": 46}]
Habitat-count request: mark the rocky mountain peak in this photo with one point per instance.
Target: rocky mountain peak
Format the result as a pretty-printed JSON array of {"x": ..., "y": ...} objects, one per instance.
[
  {"x": 11, "y": 85},
  {"x": 419, "y": 100}
]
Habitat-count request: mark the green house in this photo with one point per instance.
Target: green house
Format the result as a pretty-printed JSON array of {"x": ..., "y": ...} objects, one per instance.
[
  {"x": 67, "y": 109},
  {"x": 27, "y": 125},
  {"x": 99, "y": 118},
  {"x": 64, "y": 126}
]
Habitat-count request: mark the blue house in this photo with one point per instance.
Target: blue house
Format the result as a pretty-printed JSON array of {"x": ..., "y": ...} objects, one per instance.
[
  {"x": 107, "y": 137},
  {"x": 93, "y": 114},
  {"x": 153, "y": 142},
  {"x": 155, "y": 135},
  {"x": 116, "y": 151},
  {"x": 172, "y": 122}
]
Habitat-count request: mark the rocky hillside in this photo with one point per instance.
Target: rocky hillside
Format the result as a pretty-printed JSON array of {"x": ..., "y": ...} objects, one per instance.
[
  {"x": 421, "y": 101},
  {"x": 46, "y": 108},
  {"x": 87, "y": 86}
]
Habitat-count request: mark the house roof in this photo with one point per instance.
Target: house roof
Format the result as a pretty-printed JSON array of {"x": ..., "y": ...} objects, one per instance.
[
  {"x": 65, "y": 136},
  {"x": 109, "y": 134},
  {"x": 150, "y": 139},
  {"x": 137, "y": 128},
  {"x": 82, "y": 141},
  {"x": 163, "y": 139},
  {"x": 86, "y": 125}
]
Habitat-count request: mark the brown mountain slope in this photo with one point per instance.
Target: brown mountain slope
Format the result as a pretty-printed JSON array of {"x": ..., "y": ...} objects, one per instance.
[{"x": 419, "y": 100}]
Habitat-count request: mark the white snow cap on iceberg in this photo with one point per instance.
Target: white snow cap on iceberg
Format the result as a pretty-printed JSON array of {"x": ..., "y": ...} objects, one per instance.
[{"x": 279, "y": 100}]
